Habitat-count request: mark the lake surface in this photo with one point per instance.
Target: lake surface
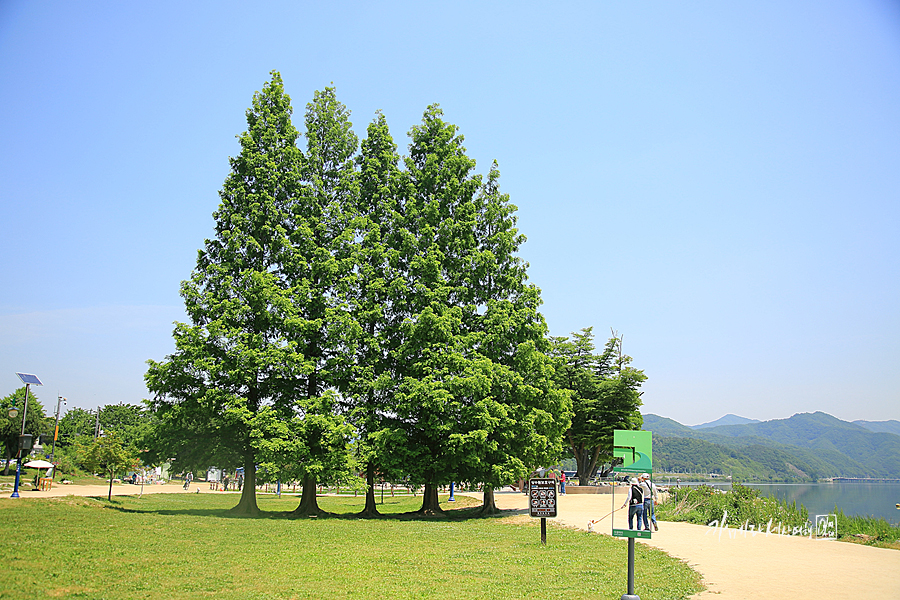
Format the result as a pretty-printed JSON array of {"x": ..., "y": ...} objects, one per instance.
[{"x": 863, "y": 499}]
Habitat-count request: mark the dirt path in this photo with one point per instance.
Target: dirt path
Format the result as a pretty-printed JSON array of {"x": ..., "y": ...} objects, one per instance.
[
  {"x": 737, "y": 565},
  {"x": 119, "y": 489}
]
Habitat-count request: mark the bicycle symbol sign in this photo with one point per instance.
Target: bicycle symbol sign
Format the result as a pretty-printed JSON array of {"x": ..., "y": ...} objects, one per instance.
[{"x": 542, "y": 498}]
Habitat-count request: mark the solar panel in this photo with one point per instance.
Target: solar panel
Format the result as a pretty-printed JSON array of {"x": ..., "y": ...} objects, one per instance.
[{"x": 28, "y": 378}]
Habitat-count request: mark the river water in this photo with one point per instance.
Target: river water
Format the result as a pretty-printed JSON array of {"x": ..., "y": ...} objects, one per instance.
[{"x": 863, "y": 499}]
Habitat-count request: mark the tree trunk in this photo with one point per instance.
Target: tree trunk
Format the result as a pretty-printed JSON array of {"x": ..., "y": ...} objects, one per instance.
[
  {"x": 247, "y": 504},
  {"x": 371, "y": 509},
  {"x": 109, "y": 496},
  {"x": 430, "y": 504},
  {"x": 488, "y": 505},
  {"x": 8, "y": 460},
  {"x": 309, "y": 505}
]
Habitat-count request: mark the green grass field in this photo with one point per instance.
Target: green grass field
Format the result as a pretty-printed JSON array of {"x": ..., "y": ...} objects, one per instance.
[{"x": 188, "y": 546}]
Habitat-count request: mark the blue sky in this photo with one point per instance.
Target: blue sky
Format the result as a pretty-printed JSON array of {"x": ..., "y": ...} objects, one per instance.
[{"x": 718, "y": 182}]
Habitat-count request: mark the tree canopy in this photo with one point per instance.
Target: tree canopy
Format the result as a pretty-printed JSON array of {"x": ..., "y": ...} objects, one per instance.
[
  {"x": 605, "y": 396},
  {"x": 36, "y": 422},
  {"x": 354, "y": 300}
]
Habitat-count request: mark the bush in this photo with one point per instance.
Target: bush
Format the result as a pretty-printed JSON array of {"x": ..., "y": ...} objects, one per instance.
[
  {"x": 704, "y": 504},
  {"x": 868, "y": 530}
]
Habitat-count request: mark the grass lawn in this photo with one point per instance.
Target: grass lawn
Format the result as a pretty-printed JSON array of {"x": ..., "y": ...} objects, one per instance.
[{"x": 188, "y": 546}]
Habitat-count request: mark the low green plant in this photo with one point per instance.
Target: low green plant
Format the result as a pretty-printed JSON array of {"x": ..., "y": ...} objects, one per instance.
[
  {"x": 739, "y": 506},
  {"x": 867, "y": 530}
]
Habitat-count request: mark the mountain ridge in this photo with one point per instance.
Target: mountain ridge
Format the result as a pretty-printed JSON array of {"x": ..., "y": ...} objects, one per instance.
[{"x": 805, "y": 446}]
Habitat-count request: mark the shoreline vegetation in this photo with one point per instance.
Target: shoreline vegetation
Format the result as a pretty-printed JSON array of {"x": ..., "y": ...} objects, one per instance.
[{"x": 744, "y": 508}]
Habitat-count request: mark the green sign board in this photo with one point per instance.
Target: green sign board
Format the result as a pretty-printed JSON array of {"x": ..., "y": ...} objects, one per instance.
[
  {"x": 635, "y": 448},
  {"x": 631, "y": 533}
]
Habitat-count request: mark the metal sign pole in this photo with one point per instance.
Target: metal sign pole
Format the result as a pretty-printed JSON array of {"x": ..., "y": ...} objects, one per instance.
[
  {"x": 542, "y": 502},
  {"x": 630, "y": 595}
]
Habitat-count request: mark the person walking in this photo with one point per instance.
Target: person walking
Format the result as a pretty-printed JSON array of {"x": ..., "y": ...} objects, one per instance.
[
  {"x": 634, "y": 500},
  {"x": 651, "y": 495}
]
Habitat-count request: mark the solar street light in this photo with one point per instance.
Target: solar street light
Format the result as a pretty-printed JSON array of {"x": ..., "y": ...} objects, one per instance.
[{"x": 29, "y": 380}]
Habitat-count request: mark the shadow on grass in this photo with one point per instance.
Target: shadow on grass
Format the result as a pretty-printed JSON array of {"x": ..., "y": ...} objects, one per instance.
[{"x": 454, "y": 514}]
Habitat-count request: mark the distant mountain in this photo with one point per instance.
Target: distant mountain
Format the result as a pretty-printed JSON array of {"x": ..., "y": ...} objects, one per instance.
[
  {"x": 805, "y": 446},
  {"x": 666, "y": 427},
  {"x": 891, "y": 426},
  {"x": 728, "y": 419}
]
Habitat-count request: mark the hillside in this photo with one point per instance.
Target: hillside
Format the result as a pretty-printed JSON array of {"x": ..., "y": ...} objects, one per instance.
[
  {"x": 892, "y": 426},
  {"x": 728, "y": 419},
  {"x": 807, "y": 446}
]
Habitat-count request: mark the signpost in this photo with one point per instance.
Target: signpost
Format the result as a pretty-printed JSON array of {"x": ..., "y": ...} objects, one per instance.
[
  {"x": 635, "y": 449},
  {"x": 542, "y": 502}
]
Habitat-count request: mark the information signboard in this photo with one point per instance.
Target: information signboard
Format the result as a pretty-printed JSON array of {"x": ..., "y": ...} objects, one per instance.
[
  {"x": 542, "y": 498},
  {"x": 635, "y": 448}
]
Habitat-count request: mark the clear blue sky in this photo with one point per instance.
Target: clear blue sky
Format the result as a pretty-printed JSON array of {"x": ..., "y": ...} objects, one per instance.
[{"x": 718, "y": 181}]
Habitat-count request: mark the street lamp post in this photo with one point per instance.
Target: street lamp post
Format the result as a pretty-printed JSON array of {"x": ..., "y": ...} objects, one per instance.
[
  {"x": 28, "y": 380},
  {"x": 59, "y": 400}
]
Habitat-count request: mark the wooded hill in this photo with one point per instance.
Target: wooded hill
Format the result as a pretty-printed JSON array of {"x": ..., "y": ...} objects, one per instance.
[{"x": 805, "y": 447}]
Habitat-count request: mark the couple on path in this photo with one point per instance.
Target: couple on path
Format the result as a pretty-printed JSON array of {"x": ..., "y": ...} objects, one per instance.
[{"x": 641, "y": 498}]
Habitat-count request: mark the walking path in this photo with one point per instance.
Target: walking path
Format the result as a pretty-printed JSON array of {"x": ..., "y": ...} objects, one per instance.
[
  {"x": 737, "y": 565},
  {"x": 118, "y": 489}
]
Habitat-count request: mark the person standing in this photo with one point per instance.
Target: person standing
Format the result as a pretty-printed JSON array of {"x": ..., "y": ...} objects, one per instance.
[
  {"x": 650, "y": 498},
  {"x": 634, "y": 500},
  {"x": 562, "y": 482}
]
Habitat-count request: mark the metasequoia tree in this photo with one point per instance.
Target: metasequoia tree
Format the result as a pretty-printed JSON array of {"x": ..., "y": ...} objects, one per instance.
[
  {"x": 605, "y": 396},
  {"x": 238, "y": 354},
  {"x": 471, "y": 380},
  {"x": 324, "y": 331},
  {"x": 377, "y": 283}
]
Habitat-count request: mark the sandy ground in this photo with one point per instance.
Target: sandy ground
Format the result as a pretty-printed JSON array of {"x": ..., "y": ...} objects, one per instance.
[
  {"x": 119, "y": 489},
  {"x": 735, "y": 565},
  {"x": 738, "y": 565}
]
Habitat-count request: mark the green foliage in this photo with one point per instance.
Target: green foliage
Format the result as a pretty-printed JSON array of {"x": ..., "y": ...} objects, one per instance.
[
  {"x": 240, "y": 353},
  {"x": 867, "y": 530},
  {"x": 75, "y": 423},
  {"x": 36, "y": 422},
  {"x": 107, "y": 454},
  {"x": 742, "y": 504},
  {"x": 605, "y": 396},
  {"x": 343, "y": 298},
  {"x": 473, "y": 398}
]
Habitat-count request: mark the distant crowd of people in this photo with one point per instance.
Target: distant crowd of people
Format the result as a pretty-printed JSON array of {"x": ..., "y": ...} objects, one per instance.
[{"x": 224, "y": 481}]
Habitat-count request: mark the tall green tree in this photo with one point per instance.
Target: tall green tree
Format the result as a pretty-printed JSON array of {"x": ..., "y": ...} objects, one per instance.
[
  {"x": 75, "y": 423},
  {"x": 321, "y": 278},
  {"x": 36, "y": 422},
  {"x": 131, "y": 422},
  {"x": 240, "y": 352},
  {"x": 472, "y": 376},
  {"x": 109, "y": 454},
  {"x": 605, "y": 396},
  {"x": 377, "y": 284}
]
